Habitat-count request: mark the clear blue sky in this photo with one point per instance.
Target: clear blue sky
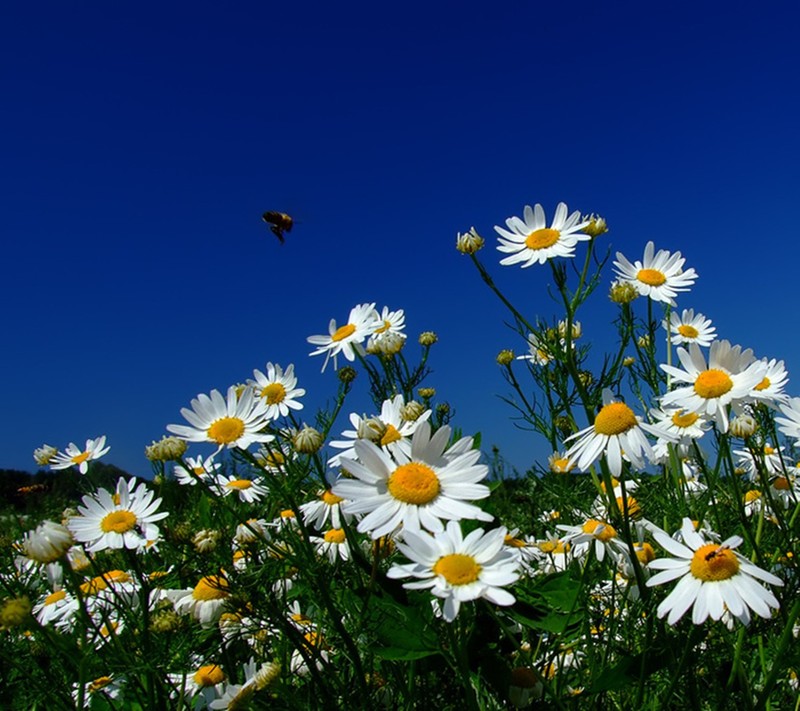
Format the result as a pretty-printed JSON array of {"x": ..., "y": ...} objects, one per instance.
[{"x": 142, "y": 141}]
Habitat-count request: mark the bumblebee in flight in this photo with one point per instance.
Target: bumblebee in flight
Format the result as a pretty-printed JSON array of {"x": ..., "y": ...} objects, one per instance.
[{"x": 279, "y": 222}]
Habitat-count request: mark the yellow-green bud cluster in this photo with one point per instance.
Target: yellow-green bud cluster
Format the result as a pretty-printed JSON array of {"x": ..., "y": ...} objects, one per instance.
[
  {"x": 505, "y": 357},
  {"x": 308, "y": 440},
  {"x": 622, "y": 292},
  {"x": 469, "y": 242},
  {"x": 427, "y": 338},
  {"x": 167, "y": 449},
  {"x": 412, "y": 411}
]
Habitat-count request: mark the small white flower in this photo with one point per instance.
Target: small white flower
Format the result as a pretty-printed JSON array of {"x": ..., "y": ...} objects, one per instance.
[{"x": 95, "y": 448}]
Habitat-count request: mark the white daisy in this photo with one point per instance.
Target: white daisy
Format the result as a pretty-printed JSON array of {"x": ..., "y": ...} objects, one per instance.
[
  {"x": 199, "y": 470},
  {"x": 660, "y": 276},
  {"x": 539, "y": 351},
  {"x": 530, "y": 241},
  {"x": 686, "y": 426},
  {"x": 728, "y": 379},
  {"x": 58, "y": 607},
  {"x": 123, "y": 520},
  {"x": 688, "y": 328},
  {"x": 770, "y": 389},
  {"x": 48, "y": 542},
  {"x": 326, "y": 506},
  {"x": 103, "y": 687},
  {"x": 600, "y": 534},
  {"x": 414, "y": 491},
  {"x": 713, "y": 579},
  {"x": 235, "y": 422},
  {"x": 248, "y": 490},
  {"x": 277, "y": 388},
  {"x": 388, "y": 430},
  {"x": 332, "y": 544},
  {"x": 789, "y": 425},
  {"x": 95, "y": 448},
  {"x": 274, "y": 457},
  {"x": 205, "y": 601},
  {"x": 347, "y": 339},
  {"x": 390, "y": 324},
  {"x": 616, "y": 429},
  {"x": 769, "y": 461},
  {"x": 457, "y": 569}
]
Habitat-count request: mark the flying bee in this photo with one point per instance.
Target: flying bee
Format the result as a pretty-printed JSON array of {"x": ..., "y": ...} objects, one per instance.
[
  {"x": 279, "y": 222},
  {"x": 717, "y": 551}
]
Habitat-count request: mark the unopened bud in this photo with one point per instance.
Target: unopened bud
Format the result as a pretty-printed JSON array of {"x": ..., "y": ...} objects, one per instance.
[
  {"x": 427, "y": 338},
  {"x": 308, "y": 440},
  {"x": 469, "y": 242},
  {"x": 622, "y": 292},
  {"x": 411, "y": 411},
  {"x": 505, "y": 357}
]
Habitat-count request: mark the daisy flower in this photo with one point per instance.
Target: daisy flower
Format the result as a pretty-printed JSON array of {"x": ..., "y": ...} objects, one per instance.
[
  {"x": 125, "y": 519},
  {"x": 58, "y": 607},
  {"x": 768, "y": 460},
  {"x": 205, "y": 602},
  {"x": 326, "y": 506},
  {"x": 770, "y": 389},
  {"x": 389, "y": 430},
  {"x": 713, "y": 579},
  {"x": 278, "y": 390},
  {"x": 728, "y": 379},
  {"x": 688, "y": 328},
  {"x": 347, "y": 339},
  {"x": 616, "y": 429},
  {"x": 332, "y": 544},
  {"x": 530, "y": 241},
  {"x": 660, "y": 276},
  {"x": 199, "y": 470},
  {"x": 414, "y": 491},
  {"x": 388, "y": 331},
  {"x": 538, "y": 350},
  {"x": 789, "y": 425},
  {"x": 95, "y": 448},
  {"x": 106, "y": 687},
  {"x": 685, "y": 426},
  {"x": 47, "y": 543},
  {"x": 248, "y": 490},
  {"x": 232, "y": 422},
  {"x": 602, "y": 535},
  {"x": 457, "y": 569}
]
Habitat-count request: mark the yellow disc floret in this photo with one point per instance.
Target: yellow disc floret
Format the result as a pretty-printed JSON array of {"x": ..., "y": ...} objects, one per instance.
[
  {"x": 118, "y": 521},
  {"x": 615, "y": 418},
  {"x": 335, "y": 535},
  {"x": 210, "y": 587},
  {"x": 681, "y": 419},
  {"x": 542, "y": 239},
  {"x": 414, "y": 483},
  {"x": 713, "y": 562},
  {"x": 712, "y": 383},
  {"x": 688, "y": 331},
  {"x": 391, "y": 435},
  {"x": 651, "y": 277},
  {"x": 330, "y": 498},
  {"x": 209, "y": 675},
  {"x": 273, "y": 393},
  {"x": 226, "y": 430},
  {"x": 343, "y": 332},
  {"x": 602, "y": 531},
  {"x": 457, "y": 569}
]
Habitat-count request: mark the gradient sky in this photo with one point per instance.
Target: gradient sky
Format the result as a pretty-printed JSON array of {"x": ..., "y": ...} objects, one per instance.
[{"x": 142, "y": 141}]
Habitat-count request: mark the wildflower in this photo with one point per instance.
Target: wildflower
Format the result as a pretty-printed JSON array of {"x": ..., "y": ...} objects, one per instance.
[
  {"x": 95, "y": 448},
  {"x": 105, "y": 687},
  {"x": 42, "y": 455},
  {"x": 688, "y": 328},
  {"x": 427, "y": 338},
  {"x": 58, "y": 607},
  {"x": 412, "y": 411},
  {"x": 743, "y": 426},
  {"x": 389, "y": 326},
  {"x": 505, "y": 357},
  {"x": 277, "y": 389},
  {"x": 600, "y": 533},
  {"x": 199, "y": 469},
  {"x": 419, "y": 490},
  {"x": 790, "y": 425},
  {"x": 616, "y": 429},
  {"x": 457, "y": 568},
  {"x": 167, "y": 449},
  {"x": 332, "y": 544},
  {"x": 232, "y": 422},
  {"x": 559, "y": 463},
  {"x": 274, "y": 459},
  {"x": 389, "y": 344},
  {"x": 249, "y": 491},
  {"x": 539, "y": 351},
  {"x": 597, "y": 225},
  {"x": 205, "y": 602},
  {"x": 622, "y": 292},
  {"x": 426, "y": 393},
  {"x": 47, "y": 543},
  {"x": 326, "y": 507},
  {"x": 307, "y": 441},
  {"x": 346, "y": 339},
  {"x": 713, "y": 579},
  {"x": 251, "y": 530},
  {"x": 659, "y": 277},
  {"x": 728, "y": 379},
  {"x": 346, "y": 374},
  {"x": 770, "y": 389},
  {"x": 15, "y": 612},
  {"x": 529, "y": 240},
  {"x": 206, "y": 540},
  {"x": 469, "y": 242},
  {"x": 124, "y": 520}
]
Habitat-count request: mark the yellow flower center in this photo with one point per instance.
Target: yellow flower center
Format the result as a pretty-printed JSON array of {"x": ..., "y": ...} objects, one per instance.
[
  {"x": 606, "y": 532},
  {"x": 209, "y": 675},
  {"x": 53, "y": 598},
  {"x": 781, "y": 483},
  {"x": 633, "y": 508},
  {"x": 615, "y": 418},
  {"x": 679, "y": 419},
  {"x": 275, "y": 459},
  {"x": 300, "y": 619},
  {"x": 752, "y": 495},
  {"x": 240, "y": 484},
  {"x": 714, "y": 562},
  {"x": 226, "y": 430},
  {"x": 199, "y": 471},
  {"x": 273, "y": 393},
  {"x": 561, "y": 465},
  {"x": 287, "y": 513},
  {"x": 118, "y": 521},
  {"x": 386, "y": 326},
  {"x": 644, "y": 552},
  {"x": 764, "y": 384},
  {"x": 554, "y": 547},
  {"x": 712, "y": 383},
  {"x": 457, "y": 569},
  {"x": 651, "y": 277},
  {"x": 413, "y": 483},
  {"x": 512, "y": 542},
  {"x": 688, "y": 331},
  {"x": 99, "y": 683},
  {"x": 331, "y": 499},
  {"x": 81, "y": 458},
  {"x": 391, "y": 435},
  {"x": 335, "y": 535},
  {"x": 768, "y": 450},
  {"x": 543, "y": 238},
  {"x": 211, "y": 587},
  {"x": 343, "y": 332}
]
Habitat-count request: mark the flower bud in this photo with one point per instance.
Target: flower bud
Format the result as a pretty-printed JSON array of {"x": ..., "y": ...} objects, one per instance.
[
  {"x": 411, "y": 411},
  {"x": 596, "y": 227},
  {"x": 308, "y": 440},
  {"x": 622, "y": 292},
  {"x": 505, "y": 357},
  {"x": 427, "y": 338},
  {"x": 44, "y": 454},
  {"x": 167, "y": 449},
  {"x": 347, "y": 374},
  {"x": 743, "y": 426},
  {"x": 426, "y": 393},
  {"x": 469, "y": 242}
]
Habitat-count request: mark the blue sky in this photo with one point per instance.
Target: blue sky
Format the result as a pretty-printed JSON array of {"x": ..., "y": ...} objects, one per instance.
[{"x": 141, "y": 143}]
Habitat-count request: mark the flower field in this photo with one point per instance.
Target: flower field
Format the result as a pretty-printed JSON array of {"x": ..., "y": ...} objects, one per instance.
[{"x": 286, "y": 559}]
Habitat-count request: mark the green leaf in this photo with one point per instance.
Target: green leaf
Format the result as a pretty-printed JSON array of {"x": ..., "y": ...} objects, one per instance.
[{"x": 404, "y": 632}]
